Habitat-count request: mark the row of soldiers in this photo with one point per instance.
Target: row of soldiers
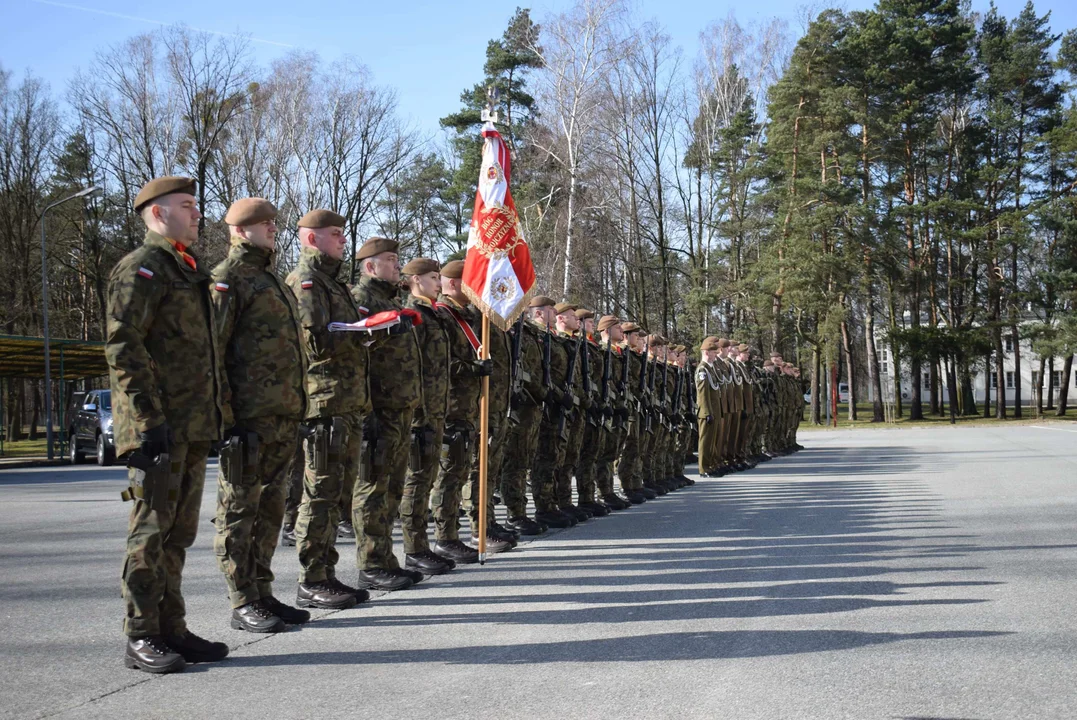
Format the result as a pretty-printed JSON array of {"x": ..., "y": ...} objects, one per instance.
[{"x": 382, "y": 394}]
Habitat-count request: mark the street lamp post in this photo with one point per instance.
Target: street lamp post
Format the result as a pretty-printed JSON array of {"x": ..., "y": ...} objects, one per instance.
[{"x": 45, "y": 311}]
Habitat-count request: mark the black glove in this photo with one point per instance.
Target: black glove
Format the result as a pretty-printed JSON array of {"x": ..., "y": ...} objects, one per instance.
[
  {"x": 567, "y": 402},
  {"x": 483, "y": 368},
  {"x": 156, "y": 441}
]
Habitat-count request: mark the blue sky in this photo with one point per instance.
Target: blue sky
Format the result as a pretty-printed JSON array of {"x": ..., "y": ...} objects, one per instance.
[{"x": 428, "y": 51}]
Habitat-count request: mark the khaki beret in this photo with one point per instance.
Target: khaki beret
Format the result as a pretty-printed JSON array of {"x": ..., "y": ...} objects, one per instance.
[
  {"x": 376, "y": 246},
  {"x": 564, "y": 307},
  {"x": 454, "y": 269},
  {"x": 159, "y": 187},
  {"x": 723, "y": 343},
  {"x": 607, "y": 321},
  {"x": 317, "y": 219},
  {"x": 584, "y": 314},
  {"x": 250, "y": 211},
  {"x": 629, "y": 327},
  {"x": 541, "y": 301},
  {"x": 420, "y": 266},
  {"x": 710, "y": 343}
]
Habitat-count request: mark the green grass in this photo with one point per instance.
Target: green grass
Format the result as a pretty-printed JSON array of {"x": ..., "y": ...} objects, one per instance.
[{"x": 864, "y": 415}]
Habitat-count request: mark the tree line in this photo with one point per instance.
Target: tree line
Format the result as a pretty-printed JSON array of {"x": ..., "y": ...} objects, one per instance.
[{"x": 897, "y": 179}]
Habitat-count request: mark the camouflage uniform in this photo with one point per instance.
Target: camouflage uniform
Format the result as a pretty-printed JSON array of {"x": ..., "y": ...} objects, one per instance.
[
  {"x": 395, "y": 391},
  {"x": 461, "y": 424},
  {"x": 336, "y": 383},
  {"x": 497, "y": 423},
  {"x": 593, "y": 434},
  {"x": 575, "y": 423},
  {"x": 265, "y": 370},
  {"x": 427, "y": 426},
  {"x": 628, "y": 462},
  {"x": 522, "y": 437},
  {"x": 164, "y": 367},
  {"x": 550, "y": 457}
]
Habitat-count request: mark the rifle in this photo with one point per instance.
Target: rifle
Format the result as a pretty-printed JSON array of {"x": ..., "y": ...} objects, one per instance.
[
  {"x": 585, "y": 370},
  {"x": 519, "y": 375},
  {"x": 570, "y": 376},
  {"x": 607, "y": 370}
]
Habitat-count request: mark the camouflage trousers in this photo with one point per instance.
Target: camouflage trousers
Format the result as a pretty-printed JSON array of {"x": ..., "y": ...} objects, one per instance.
[
  {"x": 319, "y": 512},
  {"x": 157, "y": 545},
  {"x": 380, "y": 487},
  {"x": 546, "y": 466},
  {"x": 455, "y": 468},
  {"x": 520, "y": 446},
  {"x": 250, "y": 514},
  {"x": 609, "y": 447},
  {"x": 426, "y": 439},
  {"x": 628, "y": 459},
  {"x": 294, "y": 494},
  {"x": 565, "y": 472},
  {"x": 586, "y": 466},
  {"x": 498, "y": 430}
]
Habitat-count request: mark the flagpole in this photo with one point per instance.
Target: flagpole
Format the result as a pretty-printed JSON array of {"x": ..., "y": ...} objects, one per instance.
[{"x": 484, "y": 439}]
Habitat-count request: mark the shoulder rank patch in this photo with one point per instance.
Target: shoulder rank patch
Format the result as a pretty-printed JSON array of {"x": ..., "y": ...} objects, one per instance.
[
  {"x": 221, "y": 287},
  {"x": 306, "y": 284},
  {"x": 146, "y": 273}
]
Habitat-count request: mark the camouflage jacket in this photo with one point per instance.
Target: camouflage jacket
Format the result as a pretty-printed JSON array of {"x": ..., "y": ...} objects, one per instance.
[
  {"x": 396, "y": 363},
  {"x": 336, "y": 362},
  {"x": 433, "y": 338},
  {"x": 257, "y": 322},
  {"x": 465, "y": 382},
  {"x": 162, "y": 352}
]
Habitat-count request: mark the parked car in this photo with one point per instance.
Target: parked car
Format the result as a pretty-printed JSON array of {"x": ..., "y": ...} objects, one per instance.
[
  {"x": 90, "y": 427},
  {"x": 843, "y": 394}
]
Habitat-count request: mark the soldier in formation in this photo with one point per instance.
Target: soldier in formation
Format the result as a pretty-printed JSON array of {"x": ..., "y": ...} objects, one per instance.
[{"x": 329, "y": 428}]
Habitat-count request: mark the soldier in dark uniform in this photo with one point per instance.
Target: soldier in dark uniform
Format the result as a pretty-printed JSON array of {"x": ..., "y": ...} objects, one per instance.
[
  {"x": 265, "y": 369},
  {"x": 428, "y": 425},
  {"x": 337, "y": 399},
  {"x": 529, "y": 393},
  {"x": 168, "y": 398},
  {"x": 395, "y": 374}
]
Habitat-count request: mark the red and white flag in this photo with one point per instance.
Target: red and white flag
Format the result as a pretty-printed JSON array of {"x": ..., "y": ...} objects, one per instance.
[{"x": 498, "y": 275}]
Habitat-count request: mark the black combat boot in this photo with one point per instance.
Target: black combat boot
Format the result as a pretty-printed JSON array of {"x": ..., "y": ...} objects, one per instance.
[
  {"x": 324, "y": 596},
  {"x": 256, "y": 617},
  {"x": 195, "y": 649},
  {"x": 382, "y": 579},
  {"x": 287, "y": 613},
  {"x": 427, "y": 562},
  {"x": 153, "y": 655},
  {"x": 456, "y": 551}
]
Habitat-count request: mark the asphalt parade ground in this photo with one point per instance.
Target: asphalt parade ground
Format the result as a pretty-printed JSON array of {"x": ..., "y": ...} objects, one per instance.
[{"x": 916, "y": 574}]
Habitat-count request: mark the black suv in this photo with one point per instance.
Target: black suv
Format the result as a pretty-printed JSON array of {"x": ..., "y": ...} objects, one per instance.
[{"x": 90, "y": 426}]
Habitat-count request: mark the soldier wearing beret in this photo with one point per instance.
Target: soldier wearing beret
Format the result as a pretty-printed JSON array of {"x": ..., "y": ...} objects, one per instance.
[
  {"x": 169, "y": 403},
  {"x": 423, "y": 276},
  {"x": 613, "y": 430},
  {"x": 561, "y": 404},
  {"x": 257, "y": 322},
  {"x": 337, "y": 399},
  {"x": 466, "y": 371},
  {"x": 395, "y": 375},
  {"x": 594, "y": 425},
  {"x": 529, "y": 391},
  {"x": 708, "y": 407}
]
